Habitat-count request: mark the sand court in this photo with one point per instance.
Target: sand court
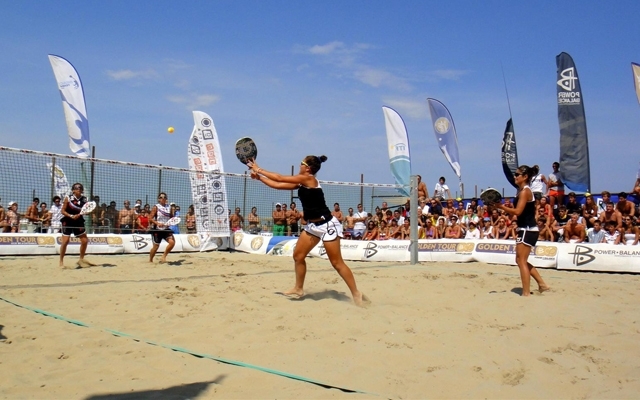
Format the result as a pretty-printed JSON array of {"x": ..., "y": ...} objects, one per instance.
[{"x": 445, "y": 330}]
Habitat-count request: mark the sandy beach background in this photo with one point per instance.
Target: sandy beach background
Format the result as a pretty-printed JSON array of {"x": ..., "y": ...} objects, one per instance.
[{"x": 436, "y": 330}]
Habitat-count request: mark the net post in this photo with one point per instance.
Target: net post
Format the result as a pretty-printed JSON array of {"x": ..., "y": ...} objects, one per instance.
[
  {"x": 361, "y": 189},
  {"x": 93, "y": 164},
  {"x": 53, "y": 178},
  {"x": 244, "y": 196},
  {"x": 159, "y": 179},
  {"x": 413, "y": 214}
]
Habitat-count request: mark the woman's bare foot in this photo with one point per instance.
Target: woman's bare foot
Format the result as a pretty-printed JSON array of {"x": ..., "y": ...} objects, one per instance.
[
  {"x": 294, "y": 293},
  {"x": 543, "y": 289},
  {"x": 361, "y": 300}
]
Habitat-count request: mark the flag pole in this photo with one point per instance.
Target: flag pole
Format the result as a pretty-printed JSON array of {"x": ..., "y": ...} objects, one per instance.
[{"x": 506, "y": 90}]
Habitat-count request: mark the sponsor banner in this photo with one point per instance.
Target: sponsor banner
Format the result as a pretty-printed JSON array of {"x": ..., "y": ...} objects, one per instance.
[
  {"x": 544, "y": 255},
  {"x": 599, "y": 257},
  {"x": 284, "y": 248},
  {"x": 445, "y": 132},
  {"x": 254, "y": 244},
  {"x": 194, "y": 243},
  {"x": 383, "y": 250},
  {"x": 208, "y": 187},
  {"x": 22, "y": 244},
  {"x": 61, "y": 184},
  {"x": 35, "y": 244},
  {"x": 73, "y": 104},
  {"x": 398, "y": 146},
  {"x": 446, "y": 250},
  {"x": 574, "y": 143},
  {"x": 141, "y": 244},
  {"x": 509, "y": 153},
  {"x": 98, "y": 244},
  {"x": 274, "y": 240}
]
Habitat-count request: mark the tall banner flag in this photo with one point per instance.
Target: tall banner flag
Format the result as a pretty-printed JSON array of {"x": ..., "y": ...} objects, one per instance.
[
  {"x": 60, "y": 182},
  {"x": 208, "y": 187},
  {"x": 445, "y": 133},
  {"x": 398, "y": 146},
  {"x": 75, "y": 112},
  {"x": 636, "y": 78},
  {"x": 574, "y": 145},
  {"x": 509, "y": 154}
]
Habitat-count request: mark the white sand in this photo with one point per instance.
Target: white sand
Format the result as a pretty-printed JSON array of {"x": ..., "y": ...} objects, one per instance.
[{"x": 437, "y": 330}]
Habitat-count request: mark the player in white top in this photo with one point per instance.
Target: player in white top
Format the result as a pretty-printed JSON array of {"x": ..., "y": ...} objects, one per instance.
[{"x": 160, "y": 215}]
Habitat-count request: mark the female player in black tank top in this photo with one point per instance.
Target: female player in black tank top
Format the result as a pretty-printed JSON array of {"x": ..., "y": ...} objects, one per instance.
[
  {"x": 527, "y": 229},
  {"x": 318, "y": 215}
]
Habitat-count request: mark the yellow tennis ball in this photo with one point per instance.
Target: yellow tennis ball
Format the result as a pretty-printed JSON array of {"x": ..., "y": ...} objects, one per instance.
[{"x": 170, "y": 130}]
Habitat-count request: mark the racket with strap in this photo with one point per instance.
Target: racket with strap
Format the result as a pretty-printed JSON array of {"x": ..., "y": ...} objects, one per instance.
[
  {"x": 173, "y": 221},
  {"x": 490, "y": 196},
  {"x": 246, "y": 150},
  {"x": 88, "y": 207}
]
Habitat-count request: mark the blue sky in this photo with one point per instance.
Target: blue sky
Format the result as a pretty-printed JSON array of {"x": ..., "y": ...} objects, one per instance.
[{"x": 310, "y": 77}]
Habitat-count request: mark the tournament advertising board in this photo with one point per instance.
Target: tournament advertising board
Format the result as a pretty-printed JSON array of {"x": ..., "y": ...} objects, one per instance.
[{"x": 599, "y": 257}]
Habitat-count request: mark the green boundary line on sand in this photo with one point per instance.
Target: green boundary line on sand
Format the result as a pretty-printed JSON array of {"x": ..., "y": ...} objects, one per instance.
[{"x": 190, "y": 352}]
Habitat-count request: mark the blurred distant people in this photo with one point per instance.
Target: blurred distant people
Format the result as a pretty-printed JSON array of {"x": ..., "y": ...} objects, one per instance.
[
  {"x": 423, "y": 192},
  {"x": 555, "y": 185},
  {"x": 360, "y": 218},
  {"x": 279, "y": 220},
  {"x": 538, "y": 183},
  {"x": 190, "y": 220},
  {"x": 293, "y": 216},
  {"x": 126, "y": 218}
]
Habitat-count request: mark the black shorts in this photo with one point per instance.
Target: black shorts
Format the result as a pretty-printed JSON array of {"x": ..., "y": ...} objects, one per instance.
[
  {"x": 294, "y": 228},
  {"x": 125, "y": 229},
  {"x": 73, "y": 226},
  {"x": 158, "y": 235},
  {"x": 527, "y": 236},
  {"x": 537, "y": 195}
]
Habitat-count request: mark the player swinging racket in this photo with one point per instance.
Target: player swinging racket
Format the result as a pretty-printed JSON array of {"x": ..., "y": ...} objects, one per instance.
[
  {"x": 527, "y": 234},
  {"x": 159, "y": 218},
  {"x": 73, "y": 223},
  {"x": 321, "y": 225}
]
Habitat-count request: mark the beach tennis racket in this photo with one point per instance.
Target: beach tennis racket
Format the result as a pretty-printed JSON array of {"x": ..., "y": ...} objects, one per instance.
[
  {"x": 246, "y": 150},
  {"x": 173, "y": 221},
  {"x": 490, "y": 196},
  {"x": 88, "y": 207}
]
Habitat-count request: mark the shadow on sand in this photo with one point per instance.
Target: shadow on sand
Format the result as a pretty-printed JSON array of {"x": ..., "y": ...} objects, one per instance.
[
  {"x": 187, "y": 391},
  {"x": 326, "y": 294}
]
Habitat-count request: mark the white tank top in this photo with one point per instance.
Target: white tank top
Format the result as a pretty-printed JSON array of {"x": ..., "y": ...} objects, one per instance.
[
  {"x": 536, "y": 184},
  {"x": 164, "y": 213}
]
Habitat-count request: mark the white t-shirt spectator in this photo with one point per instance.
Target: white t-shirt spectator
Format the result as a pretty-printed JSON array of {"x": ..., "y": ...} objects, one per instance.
[
  {"x": 440, "y": 190},
  {"x": 475, "y": 234},
  {"x": 360, "y": 224},
  {"x": 537, "y": 186}
]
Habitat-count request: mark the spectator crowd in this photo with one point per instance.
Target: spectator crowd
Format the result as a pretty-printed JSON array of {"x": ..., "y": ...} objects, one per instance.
[{"x": 559, "y": 218}]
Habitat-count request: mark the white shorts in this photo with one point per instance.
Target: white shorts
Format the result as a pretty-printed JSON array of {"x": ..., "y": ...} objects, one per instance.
[{"x": 327, "y": 232}]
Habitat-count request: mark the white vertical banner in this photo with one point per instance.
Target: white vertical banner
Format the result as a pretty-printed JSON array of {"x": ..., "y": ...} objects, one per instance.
[
  {"x": 61, "y": 184},
  {"x": 398, "y": 146},
  {"x": 75, "y": 111},
  {"x": 208, "y": 189}
]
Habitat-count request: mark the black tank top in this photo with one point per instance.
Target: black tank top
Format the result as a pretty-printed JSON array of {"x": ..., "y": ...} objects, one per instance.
[
  {"x": 75, "y": 205},
  {"x": 313, "y": 204},
  {"x": 528, "y": 216}
]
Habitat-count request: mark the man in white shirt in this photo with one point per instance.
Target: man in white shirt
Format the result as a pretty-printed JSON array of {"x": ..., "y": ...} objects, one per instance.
[
  {"x": 441, "y": 189},
  {"x": 359, "y": 218}
]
